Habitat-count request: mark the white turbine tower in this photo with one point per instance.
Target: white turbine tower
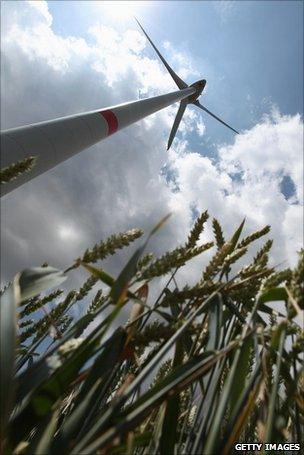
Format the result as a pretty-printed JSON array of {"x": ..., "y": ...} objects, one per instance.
[{"x": 54, "y": 141}]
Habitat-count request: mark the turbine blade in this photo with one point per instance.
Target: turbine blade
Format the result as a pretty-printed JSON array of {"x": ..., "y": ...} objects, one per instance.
[
  {"x": 180, "y": 113},
  {"x": 179, "y": 82},
  {"x": 198, "y": 104}
]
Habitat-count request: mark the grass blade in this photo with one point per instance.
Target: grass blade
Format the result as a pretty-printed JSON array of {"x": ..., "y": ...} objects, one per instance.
[{"x": 8, "y": 326}]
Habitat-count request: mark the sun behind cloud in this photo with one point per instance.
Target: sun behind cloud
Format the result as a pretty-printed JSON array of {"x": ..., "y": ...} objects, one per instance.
[
  {"x": 123, "y": 10},
  {"x": 67, "y": 232}
]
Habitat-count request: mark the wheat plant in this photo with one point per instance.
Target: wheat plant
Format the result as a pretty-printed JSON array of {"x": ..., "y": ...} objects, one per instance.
[{"x": 192, "y": 371}]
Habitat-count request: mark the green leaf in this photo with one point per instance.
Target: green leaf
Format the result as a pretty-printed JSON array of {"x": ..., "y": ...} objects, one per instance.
[
  {"x": 170, "y": 421},
  {"x": 37, "y": 279},
  {"x": 241, "y": 411},
  {"x": 99, "y": 273},
  {"x": 42, "y": 401},
  {"x": 154, "y": 443},
  {"x": 120, "y": 287},
  {"x": 277, "y": 342},
  {"x": 273, "y": 295},
  {"x": 266, "y": 309},
  {"x": 174, "y": 382},
  {"x": 52, "y": 385},
  {"x": 213, "y": 438},
  {"x": 7, "y": 348},
  {"x": 276, "y": 336},
  {"x": 210, "y": 401},
  {"x": 215, "y": 329},
  {"x": 215, "y": 324},
  {"x": 32, "y": 377},
  {"x": 243, "y": 368},
  {"x": 27, "y": 284},
  {"x": 90, "y": 390},
  {"x": 106, "y": 360},
  {"x": 140, "y": 440},
  {"x": 44, "y": 435}
]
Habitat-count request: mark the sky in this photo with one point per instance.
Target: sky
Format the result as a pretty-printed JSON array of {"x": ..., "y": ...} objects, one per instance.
[{"x": 63, "y": 58}]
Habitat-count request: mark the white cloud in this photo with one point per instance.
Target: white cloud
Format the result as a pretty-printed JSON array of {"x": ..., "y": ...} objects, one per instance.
[
  {"x": 270, "y": 149},
  {"x": 260, "y": 157},
  {"x": 225, "y": 9},
  {"x": 41, "y": 43},
  {"x": 42, "y": 8},
  {"x": 182, "y": 62},
  {"x": 201, "y": 128}
]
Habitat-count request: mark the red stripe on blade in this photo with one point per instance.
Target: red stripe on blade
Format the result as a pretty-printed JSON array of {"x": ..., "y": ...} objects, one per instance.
[{"x": 111, "y": 120}]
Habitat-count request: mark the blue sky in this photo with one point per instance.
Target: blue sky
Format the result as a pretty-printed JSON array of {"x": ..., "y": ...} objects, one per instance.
[{"x": 61, "y": 58}]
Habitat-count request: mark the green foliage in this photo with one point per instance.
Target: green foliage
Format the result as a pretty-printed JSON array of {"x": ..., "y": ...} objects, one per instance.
[{"x": 192, "y": 370}]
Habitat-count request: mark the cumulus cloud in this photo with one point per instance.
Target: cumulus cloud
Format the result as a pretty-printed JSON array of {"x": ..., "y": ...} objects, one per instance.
[
  {"x": 273, "y": 147},
  {"x": 124, "y": 181},
  {"x": 246, "y": 178}
]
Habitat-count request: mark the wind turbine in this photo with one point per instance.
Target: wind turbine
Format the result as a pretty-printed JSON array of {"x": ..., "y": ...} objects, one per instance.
[{"x": 54, "y": 141}]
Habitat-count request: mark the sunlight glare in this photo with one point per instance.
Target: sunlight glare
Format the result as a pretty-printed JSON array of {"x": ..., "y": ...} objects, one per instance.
[
  {"x": 66, "y": 232},
  {"x": 123, "y": 10}
]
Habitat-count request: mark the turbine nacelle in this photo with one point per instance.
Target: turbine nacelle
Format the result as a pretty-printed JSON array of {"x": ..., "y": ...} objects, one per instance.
[{"x": 199, "y": 86}]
